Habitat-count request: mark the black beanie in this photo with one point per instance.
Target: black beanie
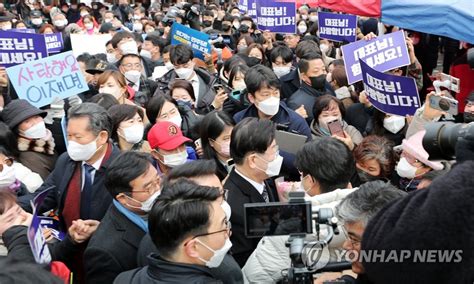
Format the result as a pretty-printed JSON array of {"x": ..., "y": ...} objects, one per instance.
[{"x": 440, "y": 217}]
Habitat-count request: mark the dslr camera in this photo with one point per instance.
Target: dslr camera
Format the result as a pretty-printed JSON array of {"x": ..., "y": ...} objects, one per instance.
[{"x": 441, "y": 138}]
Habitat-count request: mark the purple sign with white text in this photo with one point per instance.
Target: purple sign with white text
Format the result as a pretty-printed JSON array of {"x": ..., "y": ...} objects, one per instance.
[
  {"x": 397, "y": 95},
  {"x": 17, "y": 48},
  {"x": 278, "y": 16},
  {"x": 337, "y": 27},
  {"x": 54, "y": 42},
  {"x": 382, "y": 54},
  {"x": 35, "y": 234}
]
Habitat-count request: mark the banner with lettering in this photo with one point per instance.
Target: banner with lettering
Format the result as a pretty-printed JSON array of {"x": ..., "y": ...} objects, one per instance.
[
  {"x": 17, "y": 48},
  {"x": 278, "y": 16}
]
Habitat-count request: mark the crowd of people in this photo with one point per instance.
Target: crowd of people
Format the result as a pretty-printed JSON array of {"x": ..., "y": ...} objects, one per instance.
[{"x": 148, "y": 171}]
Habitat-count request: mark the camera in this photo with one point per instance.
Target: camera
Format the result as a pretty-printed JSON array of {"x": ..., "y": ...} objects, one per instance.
[
  {"x": 444, "y": 104},
  {"x": 294, "y": 219},
  {"x": 441, "y": 138}
]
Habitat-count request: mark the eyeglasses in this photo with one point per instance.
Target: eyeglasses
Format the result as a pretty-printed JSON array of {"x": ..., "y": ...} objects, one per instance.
[
  {"x": 169, "y": 114},
  {"x": 354, "y": 242},
  {"x": 227, "y": 229},
  {"x": 151, "y": 187},
  {"x": 7, "y": 161},
  {"x": 132, "y": 65}
]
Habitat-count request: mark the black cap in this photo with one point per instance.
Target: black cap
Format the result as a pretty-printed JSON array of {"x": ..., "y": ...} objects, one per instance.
[
  {"x": 96, "y": 66},
  {"x": 36, "y": 13},
  {"x": 18, "y": 111},
  {"x": 105, "y": 28}
]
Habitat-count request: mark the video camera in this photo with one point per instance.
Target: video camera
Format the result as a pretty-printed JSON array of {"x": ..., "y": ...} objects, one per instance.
[
  {"x": 441, "y": 138},
  {"x": 294, "y": 219}
]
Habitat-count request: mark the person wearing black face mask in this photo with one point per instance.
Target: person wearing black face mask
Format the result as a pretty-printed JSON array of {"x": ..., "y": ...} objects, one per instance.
[
  {"x": 207, "y": 19},
  {"x": 313, "y": 84}
]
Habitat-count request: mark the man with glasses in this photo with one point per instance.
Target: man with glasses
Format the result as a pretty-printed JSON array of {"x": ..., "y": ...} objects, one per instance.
[
  {"x": 134, "y": 184},
  {"x": 354, "y": 212},
  {"x": 263, "y": 88},
  {"x": 202, "y": 172},
  {"x": 190, "y": 229},
  {"x": 255, "y": 153},
  {"x": 132, "y": 68}
]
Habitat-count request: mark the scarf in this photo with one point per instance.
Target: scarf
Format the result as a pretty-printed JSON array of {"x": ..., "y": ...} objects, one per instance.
[{"x": 43, "y": 145}]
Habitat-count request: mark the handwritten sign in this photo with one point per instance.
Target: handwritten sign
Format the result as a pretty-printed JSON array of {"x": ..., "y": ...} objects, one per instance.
[
  {"x": 198, "y": 41},
  {"x": 54, "y": 42},
  {"x": 337, "y": 27},
  {"x": 388, "y": 93},
  {"x": 41, "y": 81},
  {"x": 382, "y": 54},
  {"x": 277, "y": 16},
  {"x": 17, "y": 48}
]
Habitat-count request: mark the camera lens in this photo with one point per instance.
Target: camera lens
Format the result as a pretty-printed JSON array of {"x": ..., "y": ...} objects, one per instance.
[
  {"x": 440, "y": 139},
  {"x": 444, "y": 104}
]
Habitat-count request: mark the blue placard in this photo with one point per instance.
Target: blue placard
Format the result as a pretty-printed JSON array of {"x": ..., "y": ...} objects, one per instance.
[
  {"x": 17, "y": 48},
  {"x": 278, "y": 16},
  {"x": 54, "y": 42},
  {"x": 337, "y": 27},
  {"x": 198, "y": 41},
  {"x": 28, "y": 31},
  {"x": 388, "y": 93},
  {"x": 35, "y": 234},
  {"x": 41, "y": 81}
]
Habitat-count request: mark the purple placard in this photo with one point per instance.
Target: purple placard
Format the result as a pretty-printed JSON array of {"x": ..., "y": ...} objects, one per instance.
[
  {"x": 388, "y": 93},
  {"x": 28, "y": 31},
  {"x": 18, "y": 48},
  {"x": 252, "y": 9},
  {"x": 54, "y": 42},
  {"x": 35, "y": 235},
  {"x": 243, "y": 6},
  {"x": 278, "y": 16},
  {"x": 337, "y": 27},
  {"x": 382, "y": 54}
]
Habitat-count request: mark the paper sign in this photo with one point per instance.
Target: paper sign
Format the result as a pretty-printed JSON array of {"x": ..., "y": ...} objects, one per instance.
[
  {"x": 382, "y": 54},
  {"x": 28, "y": 31},
  {"x": 41, "y": 81},
  {"x": 278, "y": 16},
  {"x": 391, "y": 94},
  {"x": 17, "y": 48},
  {"x": 54, "y": 42},
  {"x": 243, "y": 6},
  {"x": 92, "y": 44},
  {"x": 337, "y": 27},
  {"x": 53, "y": 225},
  {"x": 35, "y": 235},
  {"x": 198, "y": 41}
]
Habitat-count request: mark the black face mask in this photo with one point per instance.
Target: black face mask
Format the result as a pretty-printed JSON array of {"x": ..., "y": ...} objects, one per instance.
[
  {"x": 243, "y": 29},
  {"x": 318, "y": 82},
  {"x": 468, "y": 117},
  {"x": 365, "y": 177},
  {"x": 207, "y": 23},
  {"x": 252, "y": 61},
  {"x": 225, "y": 27}
]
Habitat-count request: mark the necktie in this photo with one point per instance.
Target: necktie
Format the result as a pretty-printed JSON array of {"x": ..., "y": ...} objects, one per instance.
[
  {"x": 265, "y": 194},
  {"x": 86, "y": 192}
]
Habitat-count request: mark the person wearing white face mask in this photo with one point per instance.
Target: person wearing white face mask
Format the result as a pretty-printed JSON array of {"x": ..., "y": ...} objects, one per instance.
[
  {"x": 35, "y": 142},
  {"x": 77, "y": 181},
  {"x": 263, "y": 89},
  {"x": 168, "y": 146},
  {"x": 202, "y": 172},
  {"x": 255, "y": 153},
  {"x": 414, "y": 162},
  {"x": 197, "y": 238},
  {"x": 181, "y": 56},
  {"x": 281, "y": 58},
  {"x": 134, "y": 184},
  {"x": 128, "y": 128},
  {"x": 326, "y": 167}
]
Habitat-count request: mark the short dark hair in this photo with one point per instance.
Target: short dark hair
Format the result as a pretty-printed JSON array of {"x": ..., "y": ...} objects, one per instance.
[
  {"x": 328, "y": 160},
  {"x": 281, "y": 51},
  {"x": 181, "y": 54},
  {"x": 211, "y": 127},
  {"x": 248, "y": 18},
  {"x": 119, "y": 113},
  {"x": 119, "y": 36},
  {"x": 157, "y": 41},
  {"x": 15, "y": 271},
  {"x": 167, "y": 49},
  {"x": 84, "y": 57},
  {"x": 306, "y": 46},
  {"x": 233, "y": 61},
  {"x": 155, "y": 104},
  {"x": 251, "y": 135},
  {"x": 228, "y": 18},
  {"x": 322, "y": 103},
  {"x": 124, "y": 169},
  {"x": 9, "y": 141},
  {"x": 192, "y": 169},
  {"x": 208, "y": 13},
  {"x": 260, "y": 76},
  {"x": 99, "y": 120},
  {"x": 183, "y": 84},
  {"x": 182, "y": 210},
  {"x": 104, "y": 100},
  {"x": 303, "y": 63},
  {"x": 129, "y": 55}
]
